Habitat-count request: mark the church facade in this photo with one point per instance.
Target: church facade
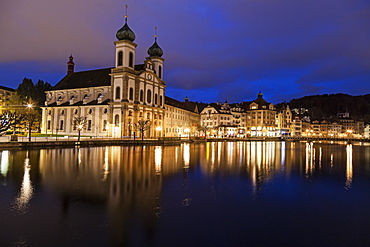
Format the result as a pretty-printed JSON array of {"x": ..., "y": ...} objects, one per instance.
[{"x": 112, "y": 100}]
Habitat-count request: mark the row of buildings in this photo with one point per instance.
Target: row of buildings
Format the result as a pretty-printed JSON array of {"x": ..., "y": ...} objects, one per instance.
[{"x": 114, "y": 99}]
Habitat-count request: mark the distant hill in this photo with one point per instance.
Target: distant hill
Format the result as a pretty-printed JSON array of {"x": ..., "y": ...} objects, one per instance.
[{"x": 327, "y": 106}]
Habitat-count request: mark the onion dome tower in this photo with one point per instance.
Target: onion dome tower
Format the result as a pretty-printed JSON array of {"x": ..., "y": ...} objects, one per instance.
[
  {"x": 155, "y": 53},
  {"x": 125, "y": 46}
]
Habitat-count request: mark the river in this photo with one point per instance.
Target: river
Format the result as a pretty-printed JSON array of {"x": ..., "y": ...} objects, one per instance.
[{"x": 207, "y": 194}]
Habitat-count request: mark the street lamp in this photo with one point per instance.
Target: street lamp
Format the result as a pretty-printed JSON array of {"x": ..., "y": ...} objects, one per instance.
[{"x": 29, "y": 106}]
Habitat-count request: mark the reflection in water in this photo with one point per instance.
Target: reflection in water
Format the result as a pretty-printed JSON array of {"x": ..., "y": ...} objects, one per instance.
[
  {"x": 22, "y": 201},
  {"x": 123, "y": 185},
  {"x": 4, "y": 166},
  {"x": 105, "y": 165},
  {"x": 310, "y": 159},
  {"x": 158, "y": 158},
  {"x": 186, "y": 147},
  {"x": 349, "y": 168}
]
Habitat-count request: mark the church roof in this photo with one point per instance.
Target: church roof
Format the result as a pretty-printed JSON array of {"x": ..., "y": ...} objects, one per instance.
[
  {"x": 83, "y": 79},
  {"x": 188, "y": 106}
]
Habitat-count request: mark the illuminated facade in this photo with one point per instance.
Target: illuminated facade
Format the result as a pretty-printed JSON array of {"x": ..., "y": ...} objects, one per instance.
[
  {"x": 5, "y": 95},
  {"x": 112, "y": 99},
  {"x": 181, "y": 118}
]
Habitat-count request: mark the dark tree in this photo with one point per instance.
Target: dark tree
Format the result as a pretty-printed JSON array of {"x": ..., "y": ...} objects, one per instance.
[{"x": 142, "y": 126}]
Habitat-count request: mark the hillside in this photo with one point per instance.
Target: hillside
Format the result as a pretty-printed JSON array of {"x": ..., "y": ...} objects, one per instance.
[{"x": 327, "y": 106}]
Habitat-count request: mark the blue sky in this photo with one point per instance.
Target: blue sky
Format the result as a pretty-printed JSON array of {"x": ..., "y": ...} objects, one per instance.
[{"x": 214, "y": 50}]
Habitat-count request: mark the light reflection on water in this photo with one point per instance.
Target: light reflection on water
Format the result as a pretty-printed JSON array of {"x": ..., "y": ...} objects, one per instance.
[
  {"x": 21, "y": 202},
  {"x": 136, "y": 196}
]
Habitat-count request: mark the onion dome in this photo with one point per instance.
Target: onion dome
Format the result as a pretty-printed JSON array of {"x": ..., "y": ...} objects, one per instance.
[
  {"x": 125, "y": 33},
  {"x": 155, "y": 50}
]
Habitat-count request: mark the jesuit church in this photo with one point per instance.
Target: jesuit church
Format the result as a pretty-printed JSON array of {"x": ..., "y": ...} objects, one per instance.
[{"x": 112, "y": 99}]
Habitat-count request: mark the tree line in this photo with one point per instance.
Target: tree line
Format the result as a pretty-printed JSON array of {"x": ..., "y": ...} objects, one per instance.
[
  {"x": 23, "y": 110},
  {"x": 327, "y": 106}
]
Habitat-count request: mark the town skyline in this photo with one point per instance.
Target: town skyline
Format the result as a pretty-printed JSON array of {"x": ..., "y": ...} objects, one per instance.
[{"x": 287, "y": 50}]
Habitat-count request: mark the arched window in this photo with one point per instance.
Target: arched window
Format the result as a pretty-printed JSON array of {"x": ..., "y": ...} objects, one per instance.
[
  {"x": 61, "y": 124},
  {"x": 131, "y": 95},
  {"x": 156, "y": 99},
  {"x": 120, "y": 58},
  {"x": 149, "y": 96},
  {"x": 160, "y": 100},
  {"x": 116, "y": 120},
  {"x": 131, "y": 60},
  {"x": 118, "y": 92},
  {"x": 160, "y": 71},
  {"x": 141, "y": 95}
]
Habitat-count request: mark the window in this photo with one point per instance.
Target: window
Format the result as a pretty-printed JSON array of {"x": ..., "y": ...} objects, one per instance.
[
  {"x": 104, "y": 125},
  {"x": 105, "y": 111},
  {"x": 160, "y": 100},
  {"x": 131, "y": 60},
  {"x": 131, "y": 94},
  {"x": 90, "y": 111},
  {"x": 116, "y": 120},
  {"x": 141, "y": 95},
  {"x": 156, "y": 99},
  {"x": 130, "y": 113},
  {"x": 160, "y": 71},
  {"x": 61, "y": 124},
  {"x": 76, "y": 111},
  {"x": 120, "y": 58},
  {"x": 49, "y": 123},
  {"x": 149, "y": 96},
  {"x": 89, "y": 124},
  {"x": 62, "y": 112},
  {"x": 118, "y": 92}
]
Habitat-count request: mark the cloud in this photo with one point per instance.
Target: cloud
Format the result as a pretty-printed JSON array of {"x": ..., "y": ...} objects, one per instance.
[{"x": 228, "y": 48}]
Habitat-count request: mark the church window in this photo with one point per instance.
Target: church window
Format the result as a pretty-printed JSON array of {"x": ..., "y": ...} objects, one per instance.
[
  {"x": 61, "y": 124},
  {"x": 131, "y": 96},
  {"x": 118, "y": 92},
  {"x": 141, "y": 95},
  {"x": 49, "y": 123},
  {"x": 156, "y": 99},
  {"x": 116, "y": 120},
  {"x": 131, "y": 60},
  {"x": 89, "y": 125},
  {"x": 149, "y": 96},
  {"x": 90, "y": 111},
  {"x": 76, "y": 111},
  {"x": 104, "y": 125},
  {"x": 160, "y": 100},
  {"x": 105, "y": 111},
  {"x": 160, "y": 71},
  {"x": 120, "y": 58}
]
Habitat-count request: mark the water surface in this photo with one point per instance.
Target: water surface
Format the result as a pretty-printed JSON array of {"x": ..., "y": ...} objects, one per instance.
[{"x": 211, "y": 194}]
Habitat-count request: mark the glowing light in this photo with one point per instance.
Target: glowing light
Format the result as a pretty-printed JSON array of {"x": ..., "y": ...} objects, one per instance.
[
  {"x": 26, "y": 192},
  {"x": 158, "y": 159},
  {"x": 4, "y": 163},
  {"x": 349, "y": 166},
  {"x": 186, "y": 155}
]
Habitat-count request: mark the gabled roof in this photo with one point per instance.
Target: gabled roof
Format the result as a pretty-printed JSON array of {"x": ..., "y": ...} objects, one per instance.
[{"x": 84, "y": 79}]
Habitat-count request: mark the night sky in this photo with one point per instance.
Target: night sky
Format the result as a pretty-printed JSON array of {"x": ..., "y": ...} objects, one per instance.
[{"x": 214, "y": 50}]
